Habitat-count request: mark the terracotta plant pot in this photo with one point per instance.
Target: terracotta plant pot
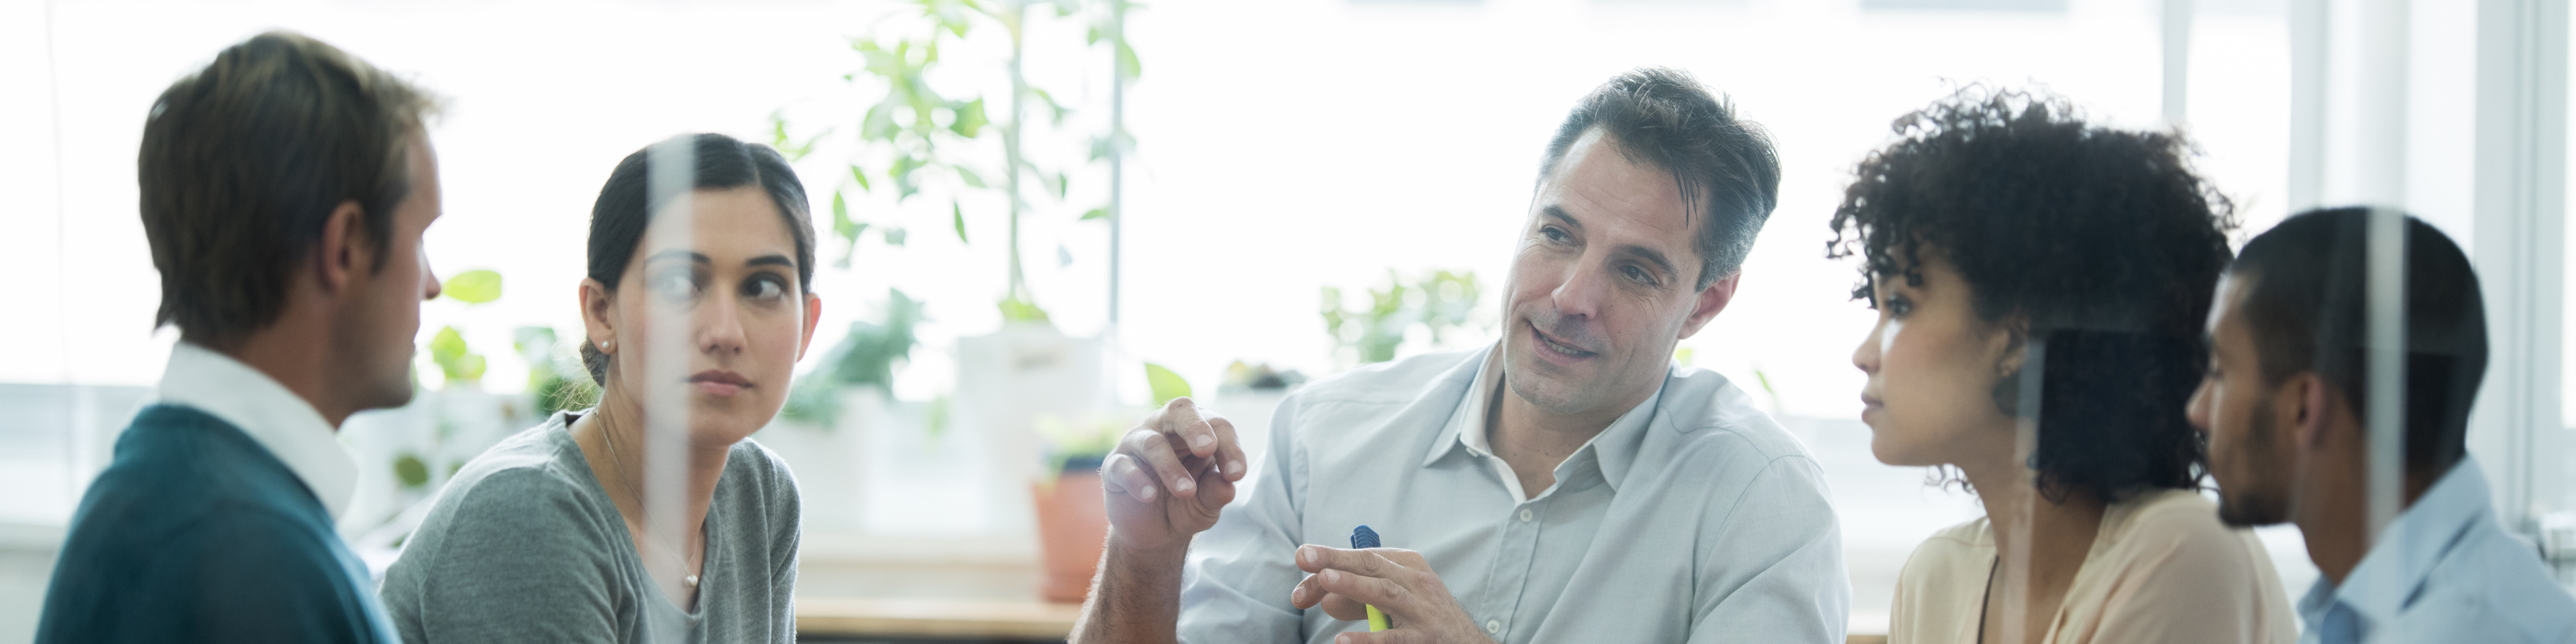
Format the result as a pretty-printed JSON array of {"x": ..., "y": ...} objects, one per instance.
[{"x": 1073, "y": 526}]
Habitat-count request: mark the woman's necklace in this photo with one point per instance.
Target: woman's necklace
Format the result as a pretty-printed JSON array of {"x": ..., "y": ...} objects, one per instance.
[{"x": 619, "y": 462}]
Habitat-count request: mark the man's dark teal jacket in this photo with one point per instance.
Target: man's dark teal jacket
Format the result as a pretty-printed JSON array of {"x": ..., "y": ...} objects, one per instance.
[{"x": 195, "y": 533}]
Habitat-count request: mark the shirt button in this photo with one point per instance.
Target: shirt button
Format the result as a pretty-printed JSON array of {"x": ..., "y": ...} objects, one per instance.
[
  {"x": 1494, "y": 626},
  {"x": 1526, "y": 515}
]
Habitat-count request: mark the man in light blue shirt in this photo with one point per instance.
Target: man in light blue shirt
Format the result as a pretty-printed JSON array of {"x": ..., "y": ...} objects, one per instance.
[
  {"x": 1565, "y": 484},
  {"x": 2283, "y": 406}
]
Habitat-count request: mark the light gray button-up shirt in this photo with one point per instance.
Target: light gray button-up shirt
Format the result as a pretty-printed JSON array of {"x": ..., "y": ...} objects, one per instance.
[
  {"x": 2444, "y": 571},
  {"x": 1693, "y": 517}
]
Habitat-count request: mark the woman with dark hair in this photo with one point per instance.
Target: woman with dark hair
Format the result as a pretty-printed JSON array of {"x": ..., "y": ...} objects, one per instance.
[
  {"x": 2040, "y": 286},
  {"x": 544, "y": 538}
]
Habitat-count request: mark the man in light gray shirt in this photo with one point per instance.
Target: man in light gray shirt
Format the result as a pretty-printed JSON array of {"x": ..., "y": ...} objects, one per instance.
[{"x": 1566, "y": 484}]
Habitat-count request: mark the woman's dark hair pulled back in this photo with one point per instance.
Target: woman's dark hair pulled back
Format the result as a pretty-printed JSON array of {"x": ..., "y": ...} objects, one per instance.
[
  {"x": 624, "y": 210},
  {"x": 2104, "y": 242}
]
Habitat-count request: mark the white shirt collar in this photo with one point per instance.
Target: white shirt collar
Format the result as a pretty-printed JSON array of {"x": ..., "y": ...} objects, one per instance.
[
  {"x": 280, "y": 421},
  {"x": 1612, "y": 449}
]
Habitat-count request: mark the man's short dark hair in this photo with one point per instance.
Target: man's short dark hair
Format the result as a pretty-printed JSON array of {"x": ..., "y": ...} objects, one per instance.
[
  {"x": 2307, "y": 306},
  {"x": 1725, "y": 166},
  {"x": 2103, "y": 241},
  {"x": 242, "y": 164}
]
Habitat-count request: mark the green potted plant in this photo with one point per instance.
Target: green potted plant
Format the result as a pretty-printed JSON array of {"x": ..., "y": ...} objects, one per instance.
[
  {"x": 1440, "y": 303},
  {"x": 931, "y": 143},
  {"x": 935, "y": 150},
  {"x": 1072, "y": 522}
]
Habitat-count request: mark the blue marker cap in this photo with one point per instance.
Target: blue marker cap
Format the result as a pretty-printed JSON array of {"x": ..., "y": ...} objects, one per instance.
[{"x": 1363, "y": 538}]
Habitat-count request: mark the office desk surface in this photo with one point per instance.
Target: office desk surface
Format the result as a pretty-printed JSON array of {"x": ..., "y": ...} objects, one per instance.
[
  {"x": 885, "y": 617},
  {"x": 963, "y": 619},
  {"x": 993, "y": 602}
]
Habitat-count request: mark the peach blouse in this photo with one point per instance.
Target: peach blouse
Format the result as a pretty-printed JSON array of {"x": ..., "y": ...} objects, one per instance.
[{"x": 2162, "y": 569}]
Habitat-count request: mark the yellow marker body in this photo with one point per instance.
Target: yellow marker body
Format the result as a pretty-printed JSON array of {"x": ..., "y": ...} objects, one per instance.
[{"x": 1377, "y": 620}]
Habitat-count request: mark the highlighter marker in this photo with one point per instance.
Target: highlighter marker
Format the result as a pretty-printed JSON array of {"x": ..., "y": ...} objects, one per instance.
[{"x": 1363, "y": 539}]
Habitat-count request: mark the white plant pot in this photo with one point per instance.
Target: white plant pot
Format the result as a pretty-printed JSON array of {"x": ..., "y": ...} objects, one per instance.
[
  {"x": 916, "y": 482},
  {"x": 1005, "y": 381},
  {"x": 828, "y": 461},
  {"x": 1250, "y": 411}
]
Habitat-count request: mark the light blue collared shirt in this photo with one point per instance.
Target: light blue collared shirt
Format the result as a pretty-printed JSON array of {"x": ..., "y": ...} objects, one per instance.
[
  {"x": 2444, "y": 571},
  {"x": 1693, "y": 517}
]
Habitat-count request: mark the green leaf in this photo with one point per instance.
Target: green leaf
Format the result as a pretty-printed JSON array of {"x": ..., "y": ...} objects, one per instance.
[
  {"x": 474, "y": 287},
  {"x": 1127, "y": 63},
  {"x": 969, "y": 176},
  {"x": 1095, "y": 213},
  {"x": 410, "y": 471},
  {"x": 778, "y": 134},
  {"x": 970, "y": 119},
  {"x": 1058, "y": 109},
  {"x": 905, "y": 185},
  {"x": 1063, "y": 184},
  {"x": 893, "y": 236},
  {"x": 1166, "y": 384},
  {"x": 1015, "y": 309},
  {"x": 957, "y": 215},
  {"x": 454, "y": 358},
  {"x": 843, "y": 227},
  {"x": 924, "y": 103},
  {"x": 788, "y": 146},
  {"x": 841, "y": 224},
  {"x": 878, "y": 124},
  {"x": 861, "y": 175},
  {"x": 447, "y": 346}
]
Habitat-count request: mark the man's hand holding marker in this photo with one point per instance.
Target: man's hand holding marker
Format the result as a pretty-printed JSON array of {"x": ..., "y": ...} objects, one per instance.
[
  {"x": 1173, "y": 474},
  {"x": 1393, "y": 589}
]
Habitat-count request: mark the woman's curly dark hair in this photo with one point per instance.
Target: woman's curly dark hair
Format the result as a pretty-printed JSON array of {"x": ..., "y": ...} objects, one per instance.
[{"x": 2103, "y": 242}]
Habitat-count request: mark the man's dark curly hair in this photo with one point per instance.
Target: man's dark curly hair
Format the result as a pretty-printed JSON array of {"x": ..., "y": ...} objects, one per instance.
[{"x": 2098, "y": 247}]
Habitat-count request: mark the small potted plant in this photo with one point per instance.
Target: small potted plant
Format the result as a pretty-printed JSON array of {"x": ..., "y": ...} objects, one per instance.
[{"x": 1073, "y": 521}]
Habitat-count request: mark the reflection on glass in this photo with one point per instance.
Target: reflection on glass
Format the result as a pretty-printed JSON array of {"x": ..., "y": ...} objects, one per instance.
[
  {"x": 2347, "y": 347},
  {"x": 649, "y": 516}
]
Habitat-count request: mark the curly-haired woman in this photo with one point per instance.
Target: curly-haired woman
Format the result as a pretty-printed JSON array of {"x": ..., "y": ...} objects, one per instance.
[{"x": 2040, "y": 284}]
